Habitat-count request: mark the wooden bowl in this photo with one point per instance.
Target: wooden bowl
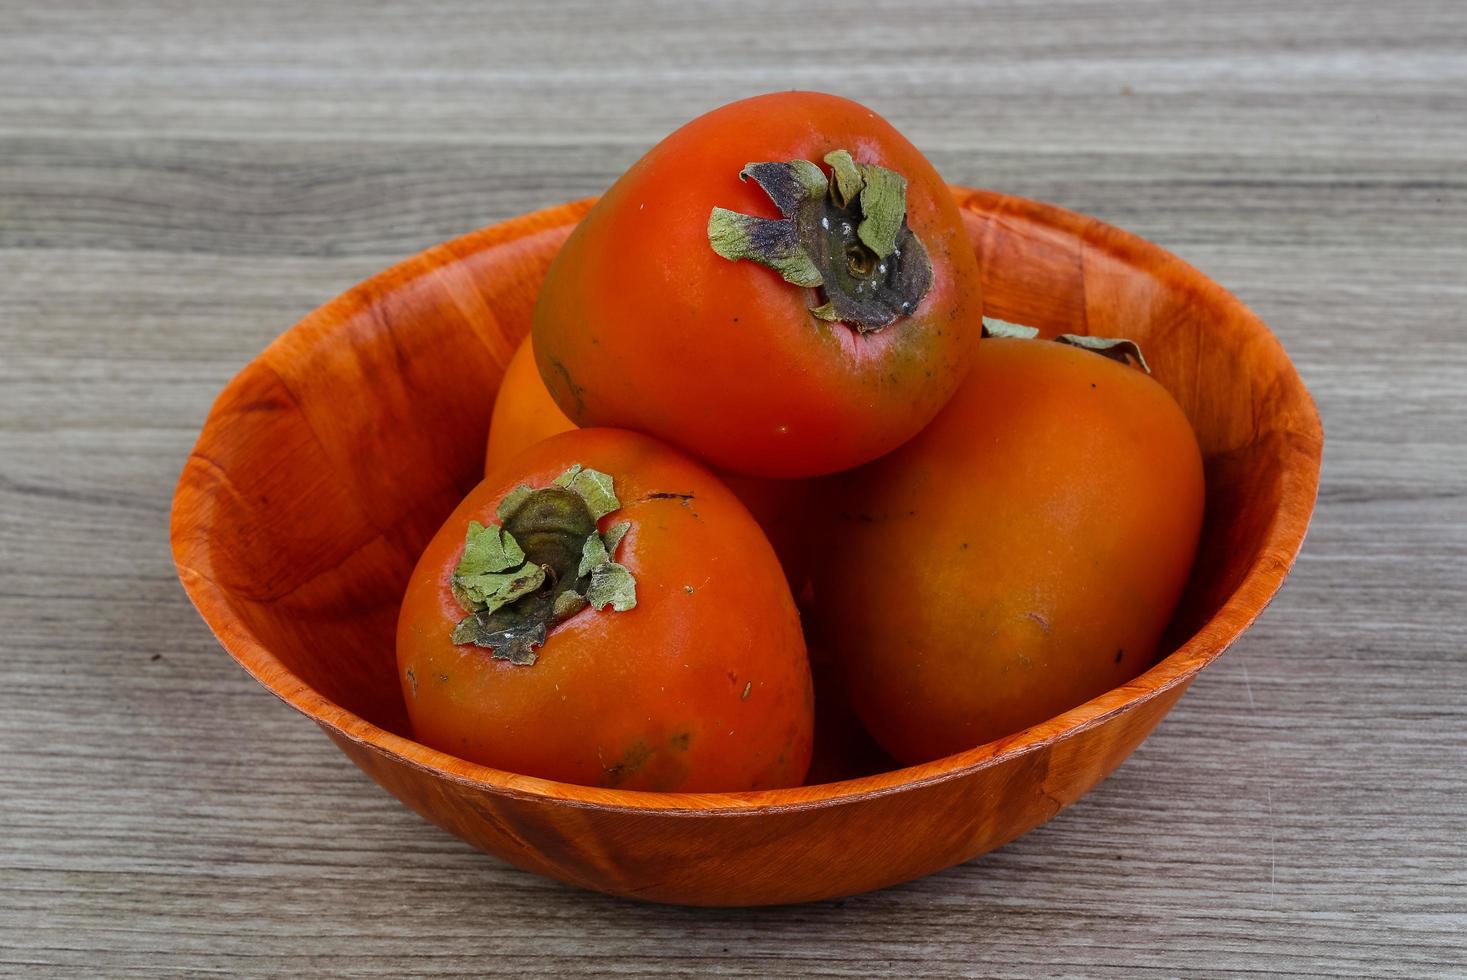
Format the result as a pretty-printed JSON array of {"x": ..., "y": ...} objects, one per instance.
[{"x": 328, "y": 462}]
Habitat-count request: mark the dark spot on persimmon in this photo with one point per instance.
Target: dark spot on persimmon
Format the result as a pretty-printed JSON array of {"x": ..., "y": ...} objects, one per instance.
[
  {"x": 574, "y": 390},
  {"x": 636, "y": 755},
  {"x": 680, "y": 741},
  {"x": 1119, "y": 655},
  {"x": 661, "y": 495}
]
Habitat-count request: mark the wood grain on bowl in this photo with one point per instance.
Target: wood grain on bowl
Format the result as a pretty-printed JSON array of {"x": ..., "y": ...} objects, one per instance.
[{"x": 330, "y": 460}]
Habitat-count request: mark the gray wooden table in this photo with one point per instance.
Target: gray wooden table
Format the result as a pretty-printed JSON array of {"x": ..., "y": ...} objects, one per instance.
[{"x": 179, "y": 183}]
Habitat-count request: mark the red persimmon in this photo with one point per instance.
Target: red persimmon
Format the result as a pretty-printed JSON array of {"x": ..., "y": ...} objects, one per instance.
[
  {"x": 602, "y": 610},
  {"x": 795, "y": 315}
]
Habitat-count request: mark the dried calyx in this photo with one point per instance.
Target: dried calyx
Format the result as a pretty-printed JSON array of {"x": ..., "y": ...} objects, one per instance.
[
  {"x": 1115, "y": 348},
  {"x": 542, "y": 563},
  {"x": 845, "y": 235}
]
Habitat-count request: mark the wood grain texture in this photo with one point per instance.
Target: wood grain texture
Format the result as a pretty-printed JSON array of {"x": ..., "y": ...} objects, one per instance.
[{"x": 179, "y": 184}]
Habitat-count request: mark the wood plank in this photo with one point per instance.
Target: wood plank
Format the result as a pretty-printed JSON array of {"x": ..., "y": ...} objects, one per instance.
[{"x": 179, "y": 184}]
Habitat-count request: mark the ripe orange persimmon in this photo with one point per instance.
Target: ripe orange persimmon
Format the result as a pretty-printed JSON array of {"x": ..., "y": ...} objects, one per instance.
[
  {"x": 1022, "y": 555},
  {"x": 602, "y": 610},
  {"x": 794, "y": 315}
]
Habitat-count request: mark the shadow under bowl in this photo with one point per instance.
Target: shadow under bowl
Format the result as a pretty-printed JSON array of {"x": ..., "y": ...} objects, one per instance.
[{"x": 327, "y": 464}]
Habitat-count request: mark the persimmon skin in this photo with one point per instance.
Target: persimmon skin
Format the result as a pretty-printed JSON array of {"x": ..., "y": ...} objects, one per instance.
[
  {"x": 641, "y": 324},
  {"x": 524, "y": 414},
  {"x": 1019, "y": 557},
  {"x": 703, "y": 686}
]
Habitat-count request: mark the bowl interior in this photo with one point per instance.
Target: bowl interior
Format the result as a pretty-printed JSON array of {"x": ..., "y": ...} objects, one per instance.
[{"x": 330, "y": 460}]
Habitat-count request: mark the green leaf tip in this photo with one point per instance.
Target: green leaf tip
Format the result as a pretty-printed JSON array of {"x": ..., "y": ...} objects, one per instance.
[
  {"x": 1002, "y": 328},
  {"x": 567, "y": 604},
  {"x": 1116, "y": 348},
  {"x": 825, "y": 311},
  {"x": 593, "y": 555},
  {"x": 788, "y": 184},
  {"x": 612, "y": 585},
  {"x": 845, "y": 235},
  {"x": 614, "y": 534},
  {"x": 594, "y": 487},
  {"x": 847, "y": 177},
  {"x": 884, "y": 202}
]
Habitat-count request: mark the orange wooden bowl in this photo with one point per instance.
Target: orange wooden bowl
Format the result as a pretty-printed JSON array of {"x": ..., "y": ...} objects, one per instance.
[{"x": 329, "y": 461}]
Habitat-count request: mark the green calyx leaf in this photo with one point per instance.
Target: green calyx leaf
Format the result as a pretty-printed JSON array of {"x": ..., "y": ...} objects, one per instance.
[
  {"x": 738, "y": 236},
  {"x": 847, "y": 177},
  {"x": 567, "y": 604},
  {"x": 884, "y": 201},
  {"x": 775, "y": 243},
  {"x": 614, "y": 534},
  {"x": 487, "y": 550},
  {"x": 593, "y": 555},
  {"x": 1116, "y": 348},
  {"x": 612, "y": 585},
  {"x": 1002, "y": 328},
  {"x": 493, "y": 571},
  {"x": 593, "y": 486},
  {"x": 845, "y": 235},
  {"x": 883, "y": 197},
  {"x": 545, "y": 563},
  {"x": 515, "y": 642}
]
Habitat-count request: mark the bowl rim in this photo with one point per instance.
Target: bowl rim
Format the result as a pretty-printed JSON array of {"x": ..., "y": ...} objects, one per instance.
[{"x": 1282, "y": 540}]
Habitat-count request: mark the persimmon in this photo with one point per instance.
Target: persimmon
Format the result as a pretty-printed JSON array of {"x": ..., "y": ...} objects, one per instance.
[
  {"x": 1020, "y": 556},
  {"x": 601, "y": 610},
  {"x": 795, "y": 315},
  {"x": 524, "y": 413}
]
